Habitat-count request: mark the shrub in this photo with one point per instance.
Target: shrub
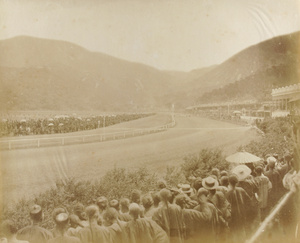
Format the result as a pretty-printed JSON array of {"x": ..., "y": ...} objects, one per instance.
[{"x": 202, "y": 164}]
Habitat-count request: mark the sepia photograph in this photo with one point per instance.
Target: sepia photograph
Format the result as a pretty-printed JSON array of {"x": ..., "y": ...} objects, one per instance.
[{"x": 149, "y": 121}]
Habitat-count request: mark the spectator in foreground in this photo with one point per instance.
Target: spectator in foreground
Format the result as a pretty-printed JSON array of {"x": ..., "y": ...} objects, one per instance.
[
  {"x": 8, "y": 231},
  {"x": 170, "y": 218},
  {"x": 240, "y": 201},
  {"x": 142, "y": 229},
  {"x": 34, "y": 233},
  {"x": 93, "y": 233},
  {"x": 62, "y": 224},
  {"x": 264, "y": 186},
  {"x": 55, "y": 231}
]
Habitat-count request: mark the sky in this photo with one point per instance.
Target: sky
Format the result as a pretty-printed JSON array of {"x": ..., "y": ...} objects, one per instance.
[{"x": 167, "y": 34}]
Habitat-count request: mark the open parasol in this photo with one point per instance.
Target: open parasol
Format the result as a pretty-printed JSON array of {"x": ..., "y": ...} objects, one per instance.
[
  {"x": 50, "y": 124},
  {"x": 242, "y": 158}
]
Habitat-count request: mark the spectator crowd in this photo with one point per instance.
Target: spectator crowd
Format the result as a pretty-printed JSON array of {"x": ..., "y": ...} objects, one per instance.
[
  {"x": 226, "y": 206},
  {"x": 61, "y": 124}
]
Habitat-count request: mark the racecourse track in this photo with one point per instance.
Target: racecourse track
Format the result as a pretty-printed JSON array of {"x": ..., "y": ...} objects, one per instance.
[{"x": 30, "y": 171}]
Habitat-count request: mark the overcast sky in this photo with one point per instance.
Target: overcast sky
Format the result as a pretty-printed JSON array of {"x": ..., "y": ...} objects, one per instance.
[{"x": 166, "y": 34}]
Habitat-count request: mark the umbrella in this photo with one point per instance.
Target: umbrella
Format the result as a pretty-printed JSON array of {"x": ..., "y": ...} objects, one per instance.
[
  {"x": 50, "y": 119},
  {"x": 23, "y": 120},
  {"x": 242, "y": 158},
  {"x": 50, "y": 124},
  {"x": 60, "y": 124}
]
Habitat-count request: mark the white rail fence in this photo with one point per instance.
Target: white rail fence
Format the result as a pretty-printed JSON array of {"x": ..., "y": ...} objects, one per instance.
[{"x": 10, "y": 144}]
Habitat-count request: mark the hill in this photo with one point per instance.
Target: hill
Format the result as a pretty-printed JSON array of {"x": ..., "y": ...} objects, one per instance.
[
  {"x": 252, "y": 73},
  {"x": 42, "y": 74},
  {"x": 57, "y": 75}
]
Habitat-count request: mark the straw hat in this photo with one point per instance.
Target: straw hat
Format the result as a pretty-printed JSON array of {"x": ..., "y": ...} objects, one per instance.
[
  {"x": 210, "y": 183},
  {"x": 242, "y": 172}
]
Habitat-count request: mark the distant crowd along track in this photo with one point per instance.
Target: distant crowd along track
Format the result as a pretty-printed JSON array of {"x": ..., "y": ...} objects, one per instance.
[{"x": 48, "y": 141}]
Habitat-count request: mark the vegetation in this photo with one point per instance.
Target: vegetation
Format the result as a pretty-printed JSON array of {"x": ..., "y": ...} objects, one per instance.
[
  {"x": 277, "y": 139},
  {"x": 119, "y": 182}
]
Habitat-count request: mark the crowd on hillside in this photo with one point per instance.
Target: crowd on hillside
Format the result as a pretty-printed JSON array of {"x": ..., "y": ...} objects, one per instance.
[
  {"x": 61, "y": 124},
  {"x": 226, "y": 206}
]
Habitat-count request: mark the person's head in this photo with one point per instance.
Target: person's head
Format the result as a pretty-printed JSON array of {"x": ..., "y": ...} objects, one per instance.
[
  {"x": 110, "y": 216},
  {"x": 216, "y": 172},
  {"x": 202, "y": 195},
  {"x": 224, "y": 173},
  {"x": 102, "y": 202},
  {"x": 134, "y": 210},
  {"x": 197, "y": 183},
  {"x": 62, "y": 221},
  {"x": 147, "y": 201},
  {"x": 224, "y": 181},
  {"x": 271, "y": 162},
  {"x": 161, "y": 184},
  {"x": 233, "y": 180},
  {"x": 186, "y": 189},
  {"x": 136, "y": 196},
  {"x": 75, "y": 221},
  {"x": 57, "y": 211},
  {"x": 79, "y": 211},
  {"x": 181, "y": 200},
  {"x": 92, "y": 212},
  {"x": 114, "y": 204},
  {"x": 165, "y": 195},
  {"x": 36, "y": 213},
  {"x": 156, "y": 199},
  {"x": 258, "y": 170},
  {"x": 8, "y": 228},
  {"x": 124, "y": 205},
  {"x": 210, "y": 183}
]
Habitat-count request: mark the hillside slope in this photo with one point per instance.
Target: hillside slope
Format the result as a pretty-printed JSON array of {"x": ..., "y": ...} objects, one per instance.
[{"x": 252, "y": 73}]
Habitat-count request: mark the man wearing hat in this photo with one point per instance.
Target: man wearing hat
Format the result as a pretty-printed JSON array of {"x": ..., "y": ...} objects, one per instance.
[
  {"x": 217, "y": 198},
  {"x": 246, "y": 181},
  {"x": 264, "y": 186},
  {"x": 62, "y": 224},
  {"x": 274, "y": 177},
  {"x": 34, "y": 233}
]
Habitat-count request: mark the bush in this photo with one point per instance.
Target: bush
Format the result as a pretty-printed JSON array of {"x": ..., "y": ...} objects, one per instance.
[
  {"x": 117, "y": 183},
  {"x": 202, "y": 164},
  {"x": 277, "y": 138}
]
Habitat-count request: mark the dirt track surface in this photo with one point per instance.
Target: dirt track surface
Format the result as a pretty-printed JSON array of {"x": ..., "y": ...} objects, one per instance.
[{"x": 29, "y": 171}]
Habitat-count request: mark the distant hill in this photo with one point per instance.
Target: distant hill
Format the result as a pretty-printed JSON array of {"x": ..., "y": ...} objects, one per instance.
[
  {"x": 49, "y": 74},
  {"x": 252, "y": 73},
  {"x": 42, "y": 74}
]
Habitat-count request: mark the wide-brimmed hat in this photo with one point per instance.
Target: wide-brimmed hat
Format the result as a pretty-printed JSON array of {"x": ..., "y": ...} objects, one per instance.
[
  {"x": 210, "y": 183},
  {"x": 61, "y": 218},
  {"x": 242, "y": 172},
  {"x": 35, "y": 209},
  {"x": 185, "y": 188}
]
